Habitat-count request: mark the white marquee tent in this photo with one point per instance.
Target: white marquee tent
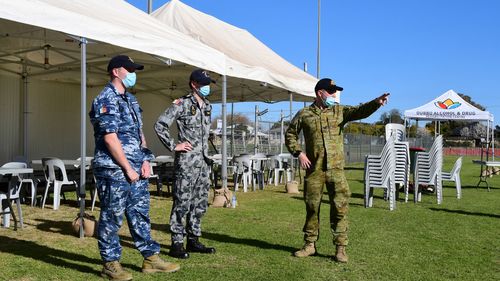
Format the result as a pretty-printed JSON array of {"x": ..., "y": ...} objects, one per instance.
[{"x": 450, "y": 106}]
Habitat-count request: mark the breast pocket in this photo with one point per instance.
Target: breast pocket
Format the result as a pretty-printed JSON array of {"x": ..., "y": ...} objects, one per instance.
[{"x": 192, "y": 121}]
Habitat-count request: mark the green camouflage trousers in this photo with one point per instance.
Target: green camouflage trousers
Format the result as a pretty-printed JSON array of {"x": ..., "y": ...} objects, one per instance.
[{"x": 338, "y": 194}]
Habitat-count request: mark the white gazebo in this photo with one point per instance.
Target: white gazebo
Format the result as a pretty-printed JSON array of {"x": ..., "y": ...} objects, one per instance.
[{"x": 450, "y": 106}]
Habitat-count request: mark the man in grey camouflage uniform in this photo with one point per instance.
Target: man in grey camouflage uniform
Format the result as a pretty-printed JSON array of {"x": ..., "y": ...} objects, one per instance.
[
  {"x": 191, "y": 184},
  {"x": 121, "y": 168},
  {"x": 322, "y": 123}
]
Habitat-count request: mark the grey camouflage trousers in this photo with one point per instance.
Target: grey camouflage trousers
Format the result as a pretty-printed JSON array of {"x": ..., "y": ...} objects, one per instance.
[
  {"x": 190, "y": 201},
  {"x": 117, "y": 197}
]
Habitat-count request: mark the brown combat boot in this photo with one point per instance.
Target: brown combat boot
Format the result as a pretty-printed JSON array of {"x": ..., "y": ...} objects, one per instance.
[
  {"x": 113, "y": 270},
  {"x": 340, "y": 255},
  {"x": 308, "y": 249},
  {"x": 154, "y": 263}
]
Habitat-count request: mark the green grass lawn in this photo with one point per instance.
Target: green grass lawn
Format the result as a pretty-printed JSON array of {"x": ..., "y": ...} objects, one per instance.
[{"x": 457, "y": 240}]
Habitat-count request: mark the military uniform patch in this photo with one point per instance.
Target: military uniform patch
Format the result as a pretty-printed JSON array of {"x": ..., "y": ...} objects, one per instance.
[
  {"x": 193, "y": 110},
  {"x": 103, "y": 109},
  {"x": 177, "y": 102}
]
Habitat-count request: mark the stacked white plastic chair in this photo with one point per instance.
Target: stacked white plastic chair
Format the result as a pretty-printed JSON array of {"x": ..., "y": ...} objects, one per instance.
[
  {"x": 395, "y": 131},
  {"x": 402, "y": 150},
  {"x": 428, "y": 170},
  {"x": 379, "y": 173},
  {"x": 454, "y": 175}
]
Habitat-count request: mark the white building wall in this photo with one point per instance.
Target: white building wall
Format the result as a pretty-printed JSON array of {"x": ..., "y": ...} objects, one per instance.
[{"x": 54, "y": 119}]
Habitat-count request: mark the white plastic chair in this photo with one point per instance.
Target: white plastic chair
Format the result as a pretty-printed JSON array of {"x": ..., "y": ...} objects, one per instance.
[
  {"x": 14, "y": 196},
  {"x": 243, "y": 171},
  {"x": 276, "y": 170},
  {"x": 258, "y": 167},
  {"x": 379, "y": 173},
  {"x": 50, "y": 167},
  {"x": 22, "y": 179},
  {"x": 287, "y": 159},
  {"x": 454, "y": 175}
]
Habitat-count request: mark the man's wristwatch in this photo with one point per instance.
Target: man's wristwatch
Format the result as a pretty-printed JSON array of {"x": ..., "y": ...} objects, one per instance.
[{"x": 296, "y": 153}]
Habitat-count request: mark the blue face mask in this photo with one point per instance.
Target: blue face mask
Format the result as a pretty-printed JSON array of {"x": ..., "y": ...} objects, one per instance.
[
  {"x": 204, "y": 91},
  {"x": 329, "y": 102},
  {"x": 129, "y": 80}
]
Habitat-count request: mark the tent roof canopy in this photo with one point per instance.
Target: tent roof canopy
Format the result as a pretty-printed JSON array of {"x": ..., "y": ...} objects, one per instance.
[
  {"x": 448, "y": 106},
  {"x": 246, "y": 57}
]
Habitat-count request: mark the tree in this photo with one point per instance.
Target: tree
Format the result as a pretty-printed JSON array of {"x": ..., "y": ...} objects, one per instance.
[
  {"x": 278, "y": 124},
  {"x": 239, "y": 119},
  {"x": 393, "y": 116}
]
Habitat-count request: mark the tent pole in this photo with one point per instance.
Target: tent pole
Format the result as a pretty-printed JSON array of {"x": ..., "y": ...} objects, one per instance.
[
  {"x": 487, "y": 140},
  {"x": 83, "y": 129},
  {"x": 224, "y": 135},
  {"x": 281, "y": 132},
  {"x": 150, "y": 6},
  {"x": 232, "y": 129},
  {"x": 493, "y": 139},
  {"x": 404, "y": 124},
  {"x": 25, "y": 111},
  {"x": 255, "y": 131},
  {"x": 291, "y": 116}
]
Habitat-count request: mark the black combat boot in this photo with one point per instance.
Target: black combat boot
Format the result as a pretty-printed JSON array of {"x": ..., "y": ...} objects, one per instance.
[
  {"x": 177, "y": 251},
  {"x": 193, "y": 245}
]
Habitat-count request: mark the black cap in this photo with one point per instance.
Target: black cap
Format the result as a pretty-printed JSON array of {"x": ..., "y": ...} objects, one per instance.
[
  {"x": 125, "y": 62},
  {"x": 201, "y": 77},
  {"x": 328, "y": 85}
]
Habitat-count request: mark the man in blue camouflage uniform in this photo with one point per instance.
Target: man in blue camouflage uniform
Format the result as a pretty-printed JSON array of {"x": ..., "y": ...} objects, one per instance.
[
  {"x": 322, "y": 124},
  {"x": 121, "y": 168},
  {"x": 191, "y": 184}
]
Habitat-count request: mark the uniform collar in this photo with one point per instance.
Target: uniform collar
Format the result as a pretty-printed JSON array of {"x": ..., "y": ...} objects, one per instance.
[
  {"x": 110, "y": 85},
  {"x": 195, "y": 101},
  {"x": 318, "y": 109}
]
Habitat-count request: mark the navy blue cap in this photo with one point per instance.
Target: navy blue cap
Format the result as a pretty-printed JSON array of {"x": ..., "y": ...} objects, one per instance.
[
  {"x": 201, "y": 77},
  {"x": 125, "y": 62},
  {"x": 328, "y": 85}
]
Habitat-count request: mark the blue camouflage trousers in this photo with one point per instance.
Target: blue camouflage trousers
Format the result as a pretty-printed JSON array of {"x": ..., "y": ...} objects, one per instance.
[
  {"x": 190, "y": 201},
  {"x": 117, "y": 196}
]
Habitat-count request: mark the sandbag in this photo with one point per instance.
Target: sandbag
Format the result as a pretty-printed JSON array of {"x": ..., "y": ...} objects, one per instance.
[
  {"x": 292, "y": 187},
  {"x": 222, "y": 198},
  {"x": 89, "y": 225}
]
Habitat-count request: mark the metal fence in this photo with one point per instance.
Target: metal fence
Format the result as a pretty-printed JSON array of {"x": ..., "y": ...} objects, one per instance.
[{"x": 356, "y": 146}]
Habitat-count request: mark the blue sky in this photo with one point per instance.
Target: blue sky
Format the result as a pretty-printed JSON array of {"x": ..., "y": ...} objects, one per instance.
[{"x": 414, "y": 49}]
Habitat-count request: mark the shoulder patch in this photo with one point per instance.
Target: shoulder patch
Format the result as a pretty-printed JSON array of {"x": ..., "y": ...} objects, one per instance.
[{"x": 177, "y": 102}]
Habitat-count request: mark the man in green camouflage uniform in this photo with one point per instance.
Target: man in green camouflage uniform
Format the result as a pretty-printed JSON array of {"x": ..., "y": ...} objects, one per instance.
[
  {"x": 191, "y": 184},
  {"x": 322, "y": 123}
]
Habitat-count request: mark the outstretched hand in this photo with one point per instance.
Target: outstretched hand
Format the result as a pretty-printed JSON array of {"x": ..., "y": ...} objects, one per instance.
[{"x": 383, "y": 99}]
